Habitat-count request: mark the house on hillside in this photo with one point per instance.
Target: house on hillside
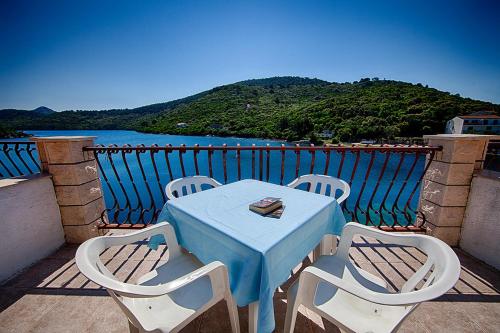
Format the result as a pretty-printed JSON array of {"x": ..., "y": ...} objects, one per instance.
[
  {"x": 182, "y": 125},
  {"x": 326, "y": 134},
  {"x": 216, "y": 126},
  {"x": 483, "y": 122}
]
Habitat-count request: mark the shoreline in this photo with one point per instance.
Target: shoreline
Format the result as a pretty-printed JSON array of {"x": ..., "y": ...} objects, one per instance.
[
  {"x": 165, "y": 134},
  {"x": 211, "y": 135}
]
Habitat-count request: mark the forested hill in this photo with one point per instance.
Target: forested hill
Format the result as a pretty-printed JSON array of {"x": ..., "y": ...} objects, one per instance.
[{"x": 283, "y": 107}]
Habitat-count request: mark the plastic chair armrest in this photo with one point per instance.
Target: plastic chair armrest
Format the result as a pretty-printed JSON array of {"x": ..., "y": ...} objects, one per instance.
[
  {"x": 346, "y": 192},
  {"x": 353, "y": 228},
  {"x": 215, "y": 270},
  {"x": 313, "y": 275},
  {"x": 164, "y": 228}
]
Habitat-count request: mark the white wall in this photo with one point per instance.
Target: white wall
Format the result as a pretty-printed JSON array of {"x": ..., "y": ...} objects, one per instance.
[
  {"x": 30, "y": 222},
  {"x": 481, "y": 227},
  {"x": 454, "y": 126}
]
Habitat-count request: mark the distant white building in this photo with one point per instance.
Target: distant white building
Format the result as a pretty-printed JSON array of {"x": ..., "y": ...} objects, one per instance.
[
  {"x": 479, "y": 122},
  {"x": 182, "y": 125},
  {"x": 326, "y": 134}
]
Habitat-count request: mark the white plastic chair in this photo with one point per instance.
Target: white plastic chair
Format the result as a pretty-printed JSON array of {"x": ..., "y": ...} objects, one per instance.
[
  {"x": 329, "y": 242},
  {"x": 176, "y": 188},
  {"x": 357, "y": 301},
  {"x": 170, "y": 296},
  {"x": 324, "y": 182}
]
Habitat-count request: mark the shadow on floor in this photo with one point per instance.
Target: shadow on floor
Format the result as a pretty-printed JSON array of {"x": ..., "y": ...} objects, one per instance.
[{"x": 53, "y": 295}]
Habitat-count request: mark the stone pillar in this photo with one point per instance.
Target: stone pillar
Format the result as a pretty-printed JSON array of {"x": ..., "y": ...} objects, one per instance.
[
  {"x": 76, "y": 182},
  {"x": 446, "y": 184}
]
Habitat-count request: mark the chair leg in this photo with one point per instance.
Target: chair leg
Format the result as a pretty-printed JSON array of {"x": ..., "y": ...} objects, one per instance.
[
  {"x": 316, "y": 253},
  {"x": 132, "y": 328},
  {"x": 291, "y": 316},
  {"x": 233, "y": 314},
  {"x": 327, "y": 246},
  {"x": 334, "y": 244},
  {"x": 253, "y": 316}
]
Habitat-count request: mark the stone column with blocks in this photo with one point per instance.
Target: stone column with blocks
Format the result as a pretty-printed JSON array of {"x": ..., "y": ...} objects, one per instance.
[
  {"x": 446, "y": 184},
  {"x": 76, "y": 182}
]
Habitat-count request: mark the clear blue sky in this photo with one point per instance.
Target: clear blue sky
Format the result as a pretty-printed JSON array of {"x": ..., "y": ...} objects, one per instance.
[{"x": 118, "y": 54}]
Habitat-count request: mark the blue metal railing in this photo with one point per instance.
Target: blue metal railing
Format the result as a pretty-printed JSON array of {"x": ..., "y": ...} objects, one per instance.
[
  {"x": 18, "y": 158},
  {"x": 385, "y": 180}
]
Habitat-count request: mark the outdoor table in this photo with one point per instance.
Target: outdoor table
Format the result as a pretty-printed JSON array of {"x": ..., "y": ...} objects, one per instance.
[{"x": 258, "y": 251}]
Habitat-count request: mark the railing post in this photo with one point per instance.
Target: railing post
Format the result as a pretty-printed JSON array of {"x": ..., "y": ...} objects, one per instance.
[
  {"x": 76, "y": 182},
  {"x": 447, "y": 181}
]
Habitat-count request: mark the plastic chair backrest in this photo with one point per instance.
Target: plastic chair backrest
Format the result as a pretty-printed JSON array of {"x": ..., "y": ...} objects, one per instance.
[
  {"x": 324, "y": 182},
  {"x": 189, "y": 185}
]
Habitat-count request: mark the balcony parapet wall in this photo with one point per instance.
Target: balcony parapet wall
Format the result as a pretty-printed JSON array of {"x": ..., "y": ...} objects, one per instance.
[
  {"x": 30, "y": 222},
  {"x": 76, "y": 182},
  {"x": 446, "y": 185}
]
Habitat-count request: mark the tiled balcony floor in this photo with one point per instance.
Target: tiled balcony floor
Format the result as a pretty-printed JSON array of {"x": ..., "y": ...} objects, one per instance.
[{"x": 52, "y": 296}]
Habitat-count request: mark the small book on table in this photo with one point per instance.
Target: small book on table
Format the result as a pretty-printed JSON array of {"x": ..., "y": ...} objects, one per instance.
[{"x": 266, "y": 205}]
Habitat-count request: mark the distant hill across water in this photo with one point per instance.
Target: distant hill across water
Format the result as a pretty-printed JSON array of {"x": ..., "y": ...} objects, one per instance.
[
  {"x": 40, "y": 111},
  {"x": 289, "y": 108}
]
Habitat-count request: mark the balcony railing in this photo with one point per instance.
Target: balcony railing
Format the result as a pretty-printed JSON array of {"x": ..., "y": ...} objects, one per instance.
[
  {"x": 385, "y": 181},
  {"x": 17, "y": 159}
]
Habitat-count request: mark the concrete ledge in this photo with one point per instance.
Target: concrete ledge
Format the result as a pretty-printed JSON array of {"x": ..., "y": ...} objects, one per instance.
[
  {"x": 30, "y": 222},
  {"x": 455, "y": 137},
  {"x": 490, "y": 174},
  {"x": 70, "y": 138},
  {"x": 463, "y": 151},
  {"x": 481, "y": 227},
  {"x": 64, "y": 149},
  {"x": 15, "y": 181}
]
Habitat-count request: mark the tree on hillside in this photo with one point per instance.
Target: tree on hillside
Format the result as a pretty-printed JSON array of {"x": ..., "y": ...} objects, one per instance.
[{"x": 281, "y": 107}]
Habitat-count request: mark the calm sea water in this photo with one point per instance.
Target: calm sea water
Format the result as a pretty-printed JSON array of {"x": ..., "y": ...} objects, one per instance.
[{"x": 145, "y": 197}]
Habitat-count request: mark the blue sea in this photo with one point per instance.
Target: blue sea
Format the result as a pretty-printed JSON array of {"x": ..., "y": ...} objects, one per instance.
[{"x": 145, "y": 193}]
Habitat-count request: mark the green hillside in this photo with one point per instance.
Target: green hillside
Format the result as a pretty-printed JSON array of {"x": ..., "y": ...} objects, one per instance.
[{"x": 284, "y": 108}]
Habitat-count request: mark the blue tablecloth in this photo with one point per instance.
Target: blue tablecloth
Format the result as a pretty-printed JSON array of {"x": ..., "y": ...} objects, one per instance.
[{"x": 259, "y": 252}]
